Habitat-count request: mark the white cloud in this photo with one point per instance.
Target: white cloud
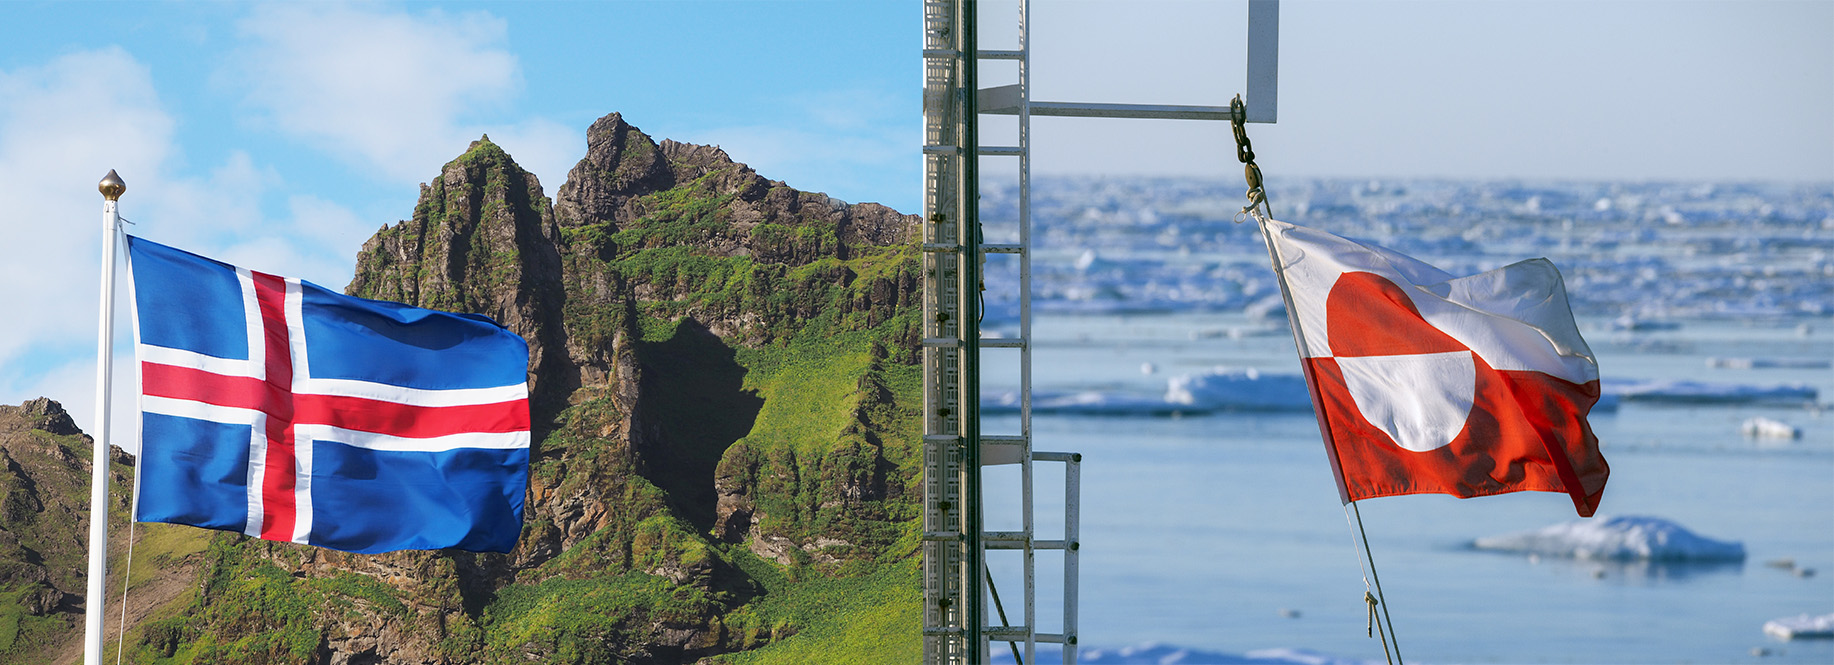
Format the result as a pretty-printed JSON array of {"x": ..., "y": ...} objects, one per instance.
[
  {"x": 63, "y": 125},
  {"x": 392, "y": 91}
]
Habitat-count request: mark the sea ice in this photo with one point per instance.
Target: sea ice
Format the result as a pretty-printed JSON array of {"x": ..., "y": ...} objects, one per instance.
[
  {"x": 1238, "y": 389},
  {"x": 1153, "y": 653},
  {"x": 1765, "y": 428},
  {"x": 1699, "y": 392},
  {"x": 1088, "y": 403},
  {"x": 1802, "y": 626},
  {"x": 1653, "y": 253},
  {"x": 1219, "y": 389},
  {"x": 1617, "y": 539},
  {"x": 1770, "y": 363}
]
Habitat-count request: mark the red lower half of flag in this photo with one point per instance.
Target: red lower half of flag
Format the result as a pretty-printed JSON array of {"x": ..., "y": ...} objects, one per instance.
[{"x": 1526, "y": 431}]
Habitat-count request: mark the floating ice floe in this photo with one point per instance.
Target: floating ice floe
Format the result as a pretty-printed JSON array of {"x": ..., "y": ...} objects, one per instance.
[
  {"x": 1152, "y": 653},
  {"x": 1090, "y": 403},
  {"x": 1628, "y": 323},
  {"x": 1623, "y": 538},
  {"x": 1765, "y": 428},
  {"x": 1223, "y": 389},
  {"x": 1801, "y": 627},
  {"x": 1219, "y": 389},
  {"x": 1699, "y": 392},
  {"x": 1770, "y": 363}
]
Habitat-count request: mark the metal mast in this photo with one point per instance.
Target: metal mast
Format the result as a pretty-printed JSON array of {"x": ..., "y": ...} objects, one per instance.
[
  {"x": 956, "y": 628},
  {"x": 953, "y": 561}
]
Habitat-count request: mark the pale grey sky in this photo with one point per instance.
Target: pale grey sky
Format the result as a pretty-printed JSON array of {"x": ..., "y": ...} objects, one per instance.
[{"x": 1571, "y": 90}]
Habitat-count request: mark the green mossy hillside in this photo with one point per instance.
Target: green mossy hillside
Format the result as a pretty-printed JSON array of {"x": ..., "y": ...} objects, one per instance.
[{"x": 726, "y": 397}]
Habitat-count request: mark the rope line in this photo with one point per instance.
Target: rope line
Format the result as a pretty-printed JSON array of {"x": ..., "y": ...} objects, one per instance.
[
  {"x": 126, "y": 577},
  {"x": 1378, "y": 586},
  {"x": 1370, "y": 592},
  {"x": 1259, "y": 210}
]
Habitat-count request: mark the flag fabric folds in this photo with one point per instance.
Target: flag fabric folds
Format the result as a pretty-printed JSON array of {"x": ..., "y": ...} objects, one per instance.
[
  {"x": 1428, "y": 383},
  {"x": 282, "y": 410}
]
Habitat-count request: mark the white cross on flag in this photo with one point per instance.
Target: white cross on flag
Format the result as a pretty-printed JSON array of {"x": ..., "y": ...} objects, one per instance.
[{"x": 1428, "y": 383}]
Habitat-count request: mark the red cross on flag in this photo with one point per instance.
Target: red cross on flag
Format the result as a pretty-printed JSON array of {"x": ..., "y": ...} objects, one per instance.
[{"x": 1428, "y": 383}]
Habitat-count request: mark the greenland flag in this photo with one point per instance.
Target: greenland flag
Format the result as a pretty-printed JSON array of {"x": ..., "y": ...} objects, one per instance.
[
  {"x": 282, "y": 410},
  {"x": 1428, "y": 383}
]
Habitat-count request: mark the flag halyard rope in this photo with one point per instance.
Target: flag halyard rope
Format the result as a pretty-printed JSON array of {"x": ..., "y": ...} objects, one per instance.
[
  {"x": 126, "y": 577},
  {"x": 1259, "y": 210},
  {"x": 1389, "y": 640}
]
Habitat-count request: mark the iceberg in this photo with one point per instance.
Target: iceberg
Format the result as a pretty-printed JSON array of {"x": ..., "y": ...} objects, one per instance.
[
  {"x": 1700, "y": 392},
  {"x": 1625, "y": 538},
  {"x": 1223, "y": 389},
  {"x": 1765, "y": 428},
  {"x": 1802, "y": 626}
]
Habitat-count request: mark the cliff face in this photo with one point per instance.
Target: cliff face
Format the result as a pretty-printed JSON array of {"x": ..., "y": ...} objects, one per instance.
[
  {"x": 44, "y": 526},
  {"x": 725, "y": 447}
]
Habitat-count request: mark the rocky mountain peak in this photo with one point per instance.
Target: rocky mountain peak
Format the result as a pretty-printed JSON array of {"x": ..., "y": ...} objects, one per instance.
[
  {"x": 621, "y": 163},
  {"x": 43, "y": 414},
  {"x": 482, "y": 240},
  {"x": 725, "y": 398}
]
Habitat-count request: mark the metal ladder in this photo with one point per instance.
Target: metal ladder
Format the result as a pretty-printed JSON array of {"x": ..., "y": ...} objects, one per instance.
[{"x": 956, "y": 630}]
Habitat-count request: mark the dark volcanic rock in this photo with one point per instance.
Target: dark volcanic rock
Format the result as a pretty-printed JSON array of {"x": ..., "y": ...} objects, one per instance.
[
  {"x": 641, "y": 291},
  {"x": 44, "y": 517},
  {"x": 483, "y": 241}
]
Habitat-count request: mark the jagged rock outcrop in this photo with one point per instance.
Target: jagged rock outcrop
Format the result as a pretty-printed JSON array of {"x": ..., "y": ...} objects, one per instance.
[
  {"x": 482, "y": 240},
  {"x": 722, "y": 208},
  {"x": 44, "y": 524},
  {"x": 718, "y": 420}
]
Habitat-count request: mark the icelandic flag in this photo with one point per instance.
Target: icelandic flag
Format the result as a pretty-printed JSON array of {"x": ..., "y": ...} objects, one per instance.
[
  {"x": 1428, "y": 383},
  {"x": 282, "y": 410}
]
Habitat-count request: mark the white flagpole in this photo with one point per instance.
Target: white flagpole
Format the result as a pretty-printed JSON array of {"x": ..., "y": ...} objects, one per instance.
[{"x": 93, "y": 602}]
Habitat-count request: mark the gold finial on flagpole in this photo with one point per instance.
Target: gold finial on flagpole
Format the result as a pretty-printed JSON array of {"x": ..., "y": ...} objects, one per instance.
[{"x": 112, "y": 187}]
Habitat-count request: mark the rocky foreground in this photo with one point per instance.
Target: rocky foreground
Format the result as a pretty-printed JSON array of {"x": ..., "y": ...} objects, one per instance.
[{"x": 725, "y": 393}]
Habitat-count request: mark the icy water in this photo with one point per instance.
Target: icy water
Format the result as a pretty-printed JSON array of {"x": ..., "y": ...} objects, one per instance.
[
  {"x": 1222, "y": 532},
  {"x": 1210, "y": 531}
]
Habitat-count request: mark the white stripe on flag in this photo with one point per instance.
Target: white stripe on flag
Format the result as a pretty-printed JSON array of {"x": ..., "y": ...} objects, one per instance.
[
  {"x": 251, "y": 317},
  {"x": 257, "y": 470},
  {"x": 193, "y": 360},
  {"x": 436, "y": 444},
  {"x": 296, "y": 334},
  {"x": 184, "y": 408},
  {"x": 383, "y": 392},
  {"x": 302, "y": 487}
]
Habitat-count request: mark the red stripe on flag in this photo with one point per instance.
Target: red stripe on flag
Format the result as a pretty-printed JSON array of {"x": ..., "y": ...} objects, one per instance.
[
  {"x": 278, "y": 509},
  {"x": 351, "y": 413},
  {"x": 237, "y": 392},
  {"x": 368, "y": 415}
]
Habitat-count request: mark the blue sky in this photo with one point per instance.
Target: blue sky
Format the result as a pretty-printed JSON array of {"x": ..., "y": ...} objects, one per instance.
[{"x": 280, "y": 136}]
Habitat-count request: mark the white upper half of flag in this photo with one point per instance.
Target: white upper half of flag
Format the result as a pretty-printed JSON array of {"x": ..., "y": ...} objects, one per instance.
[{"x": 1515, "y": 317}]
